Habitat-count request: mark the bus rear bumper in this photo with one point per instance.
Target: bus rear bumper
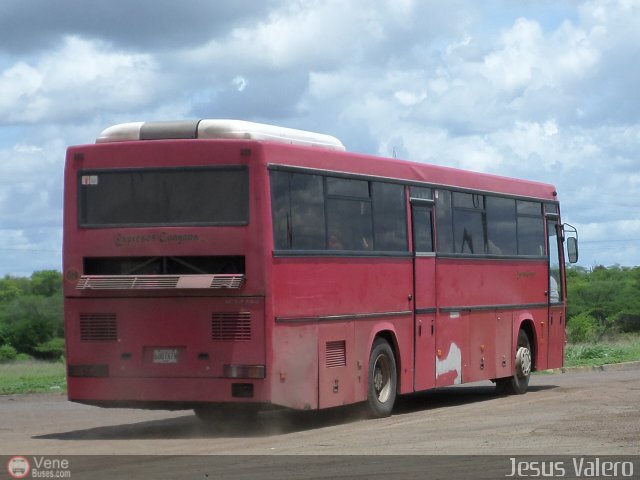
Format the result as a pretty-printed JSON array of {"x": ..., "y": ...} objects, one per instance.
[{"x": 165, "y": 393}]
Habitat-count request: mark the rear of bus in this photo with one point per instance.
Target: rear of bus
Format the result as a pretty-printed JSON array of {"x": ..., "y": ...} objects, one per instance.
[{"x": 163, "y": 266}]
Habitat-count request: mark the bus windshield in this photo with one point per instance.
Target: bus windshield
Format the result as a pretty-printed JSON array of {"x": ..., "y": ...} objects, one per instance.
[{"x": 164, "y": 197}]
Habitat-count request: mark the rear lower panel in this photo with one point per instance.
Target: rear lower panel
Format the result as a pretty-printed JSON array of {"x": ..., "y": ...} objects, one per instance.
[{"x": 159, "y": 350}]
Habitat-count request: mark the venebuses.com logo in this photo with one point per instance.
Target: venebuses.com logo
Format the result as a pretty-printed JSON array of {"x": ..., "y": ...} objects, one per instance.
[{"x": 18, "y": 467}]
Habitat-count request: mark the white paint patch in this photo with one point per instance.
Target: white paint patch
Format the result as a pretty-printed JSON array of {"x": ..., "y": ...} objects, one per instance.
[{"x": 451, "y": 363}]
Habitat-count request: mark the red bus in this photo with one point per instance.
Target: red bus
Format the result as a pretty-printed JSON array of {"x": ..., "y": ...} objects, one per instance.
[{"x": 218, "y": 264}]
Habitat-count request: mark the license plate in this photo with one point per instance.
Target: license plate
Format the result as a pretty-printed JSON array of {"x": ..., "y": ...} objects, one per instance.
[{"x": 165, "y": 355}]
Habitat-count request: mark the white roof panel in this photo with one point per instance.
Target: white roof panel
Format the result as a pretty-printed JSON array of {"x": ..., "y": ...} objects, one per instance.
[{"x": 217, "y": 129}]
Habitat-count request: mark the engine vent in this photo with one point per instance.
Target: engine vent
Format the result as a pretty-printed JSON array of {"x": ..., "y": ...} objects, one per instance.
[
  {"x": 336, "y": 354},
  {"x": 98, "y": 327},
  {"x": 231, "y": 326}
]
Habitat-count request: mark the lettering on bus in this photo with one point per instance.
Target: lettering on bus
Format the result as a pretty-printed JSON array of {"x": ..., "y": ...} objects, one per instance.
[
  {"x": 122, "y": 240},
  {"x": 526, "y": 275}
]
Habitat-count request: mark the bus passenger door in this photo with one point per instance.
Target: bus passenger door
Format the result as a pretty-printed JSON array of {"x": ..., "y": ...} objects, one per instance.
[
  {"x": 555, "y": 296},
  {"x": 424, "y": 294}
]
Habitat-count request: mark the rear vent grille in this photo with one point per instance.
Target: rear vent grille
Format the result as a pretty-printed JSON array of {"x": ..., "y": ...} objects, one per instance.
[
  {"x": 231, "y": 326},
  {"x": 159, "y": 282},
  {"x": 98, "y": 327},
  {"x": 336, "y": 354}
]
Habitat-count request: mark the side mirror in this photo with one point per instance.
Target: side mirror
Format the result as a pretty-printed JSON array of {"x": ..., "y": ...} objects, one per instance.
[{"x": 572, "y": 249}]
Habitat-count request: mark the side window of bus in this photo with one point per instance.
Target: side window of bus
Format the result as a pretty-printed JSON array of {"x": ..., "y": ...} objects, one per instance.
[
  {"x": 501, "y": 226},
  {"x": 349, "y": 222},
  {"x": 281, "y": 209},
  {"x": 389, "y": 217},
  {"x": 298, "y": 211},
  {"x": 444, "y": 221},
  {"x": 360, "y": 215},
  {"x": 530, "y": 224},
  {"x": 365, "y": 216},
  {"x": 469, "y": 223},
  {"x": 555, "y": 278},
  {"x": 422, "y": 231},
  {"x": 474, "y": 224}
]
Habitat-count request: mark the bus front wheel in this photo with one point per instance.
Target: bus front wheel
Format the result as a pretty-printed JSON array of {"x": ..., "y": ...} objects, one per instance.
[
  {"x": 382, "y": 379},
  {"x": 518, "y": 383}
]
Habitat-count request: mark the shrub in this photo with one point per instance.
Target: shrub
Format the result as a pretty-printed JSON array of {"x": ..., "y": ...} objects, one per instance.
[
  {"x": 7, "y": 352},
  {"x": 30, "y": 320},
  {"x": 53, "y": 349},
  {"x": 583, "y": 328},
  {"x": 628, "y": 323}
]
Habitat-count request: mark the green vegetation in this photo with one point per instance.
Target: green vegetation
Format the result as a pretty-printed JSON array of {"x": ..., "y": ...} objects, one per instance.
[
  {"x": 624, "y": 348},
  {"x": 31, "y": 333},
  {"x": 29, "y": 376},
  {"x": 602, "y": 302},
  {"x": 31, "y": 316},
  {"x": 604, "y": 316}
]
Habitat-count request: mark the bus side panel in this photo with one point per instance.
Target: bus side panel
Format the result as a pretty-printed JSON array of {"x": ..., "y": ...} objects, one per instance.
[
  {"x": 451, "y": 347},
  {"x": 474, "y": 283},
  {"x": 329, "y": 286},
  {"x": 294, "y": 371},
  {"x": 336, "y": 364},
  {"x": 480, "y": 362},
  {"x": 557, "y": 334},
  {"x": 486, "y": 292},
  {"x": 318, "y": 291},
  {"x": 504, "y": 344},
  {"x": 542, "y": 334}
]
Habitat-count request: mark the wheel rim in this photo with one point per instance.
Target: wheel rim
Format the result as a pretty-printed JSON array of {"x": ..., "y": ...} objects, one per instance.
[
  {"x": 523, "y": 362},
  {"x": 382, "y": 378}
]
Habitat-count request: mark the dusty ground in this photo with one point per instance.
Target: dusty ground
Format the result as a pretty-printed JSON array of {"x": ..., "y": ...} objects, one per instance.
[{"x": 591, "y": 413}]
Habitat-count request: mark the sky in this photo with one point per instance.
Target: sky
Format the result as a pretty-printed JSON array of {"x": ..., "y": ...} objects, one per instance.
[{"x": 546, "y": 90}]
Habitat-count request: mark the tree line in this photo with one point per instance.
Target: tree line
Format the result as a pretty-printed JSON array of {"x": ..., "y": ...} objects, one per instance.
[
  {"x": 602, "y": 301},
  {"x": 31, "y": 316}
]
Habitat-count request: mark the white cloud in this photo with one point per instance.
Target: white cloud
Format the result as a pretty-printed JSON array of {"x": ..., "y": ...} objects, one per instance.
[
  {"x": 514, "y": 64},
  {"x": 77, "y": 79},
  {"x": 312, "y": 33}
]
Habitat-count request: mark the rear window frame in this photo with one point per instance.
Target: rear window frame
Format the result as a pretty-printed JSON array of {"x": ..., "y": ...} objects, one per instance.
[{"x": 99, "y": 171}]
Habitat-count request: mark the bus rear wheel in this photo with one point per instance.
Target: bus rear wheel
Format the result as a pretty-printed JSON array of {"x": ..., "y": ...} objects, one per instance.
[
  {"x": 382, "y": 379},
  {"x": 518, "y": 383}
]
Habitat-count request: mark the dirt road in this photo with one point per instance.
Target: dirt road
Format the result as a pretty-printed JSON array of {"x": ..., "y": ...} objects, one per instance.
[
  {"x": 592, "y": 413},
  {"x": 578, "y": 413}
]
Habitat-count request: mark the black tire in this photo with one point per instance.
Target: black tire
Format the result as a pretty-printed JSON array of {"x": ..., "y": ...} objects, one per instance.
[
  {"x": 518, "y": 383},
  {"x": 382, "y": 379}
]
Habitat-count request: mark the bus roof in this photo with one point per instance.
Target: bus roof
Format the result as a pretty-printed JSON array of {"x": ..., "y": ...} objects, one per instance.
[
  {"x": 281, "y": 139},
  {"x": 216, "y": 129}
]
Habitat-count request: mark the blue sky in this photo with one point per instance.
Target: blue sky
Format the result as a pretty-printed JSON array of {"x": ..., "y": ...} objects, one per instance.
[{"x": 543, "y": 90}]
